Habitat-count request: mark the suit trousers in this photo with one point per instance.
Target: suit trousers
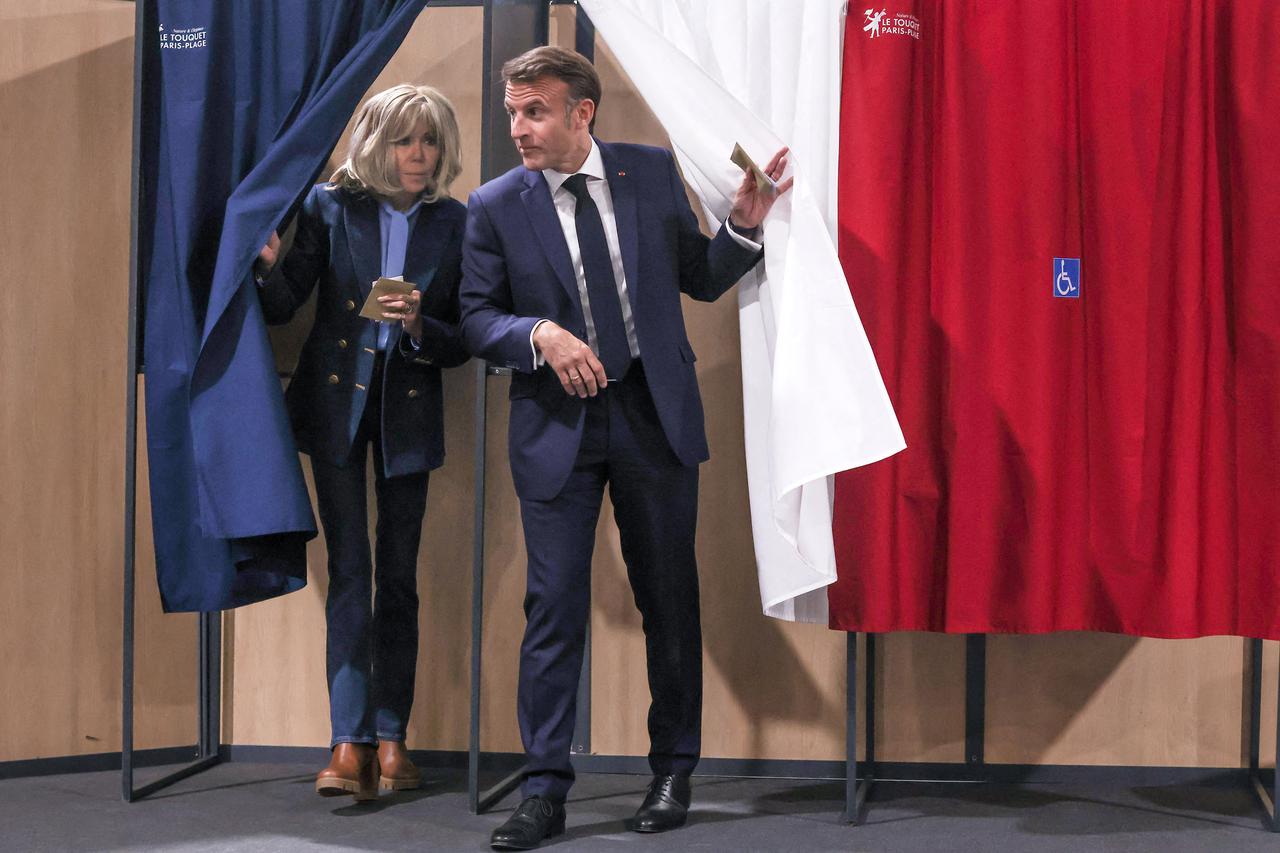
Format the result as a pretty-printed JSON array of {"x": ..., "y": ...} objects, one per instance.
[
  {"x": 655, "y": 500},
  {"x": 372, "y": 637}
]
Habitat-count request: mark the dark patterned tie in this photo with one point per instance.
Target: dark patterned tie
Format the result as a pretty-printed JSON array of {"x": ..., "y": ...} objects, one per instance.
[{"x": 602, "y": 286}]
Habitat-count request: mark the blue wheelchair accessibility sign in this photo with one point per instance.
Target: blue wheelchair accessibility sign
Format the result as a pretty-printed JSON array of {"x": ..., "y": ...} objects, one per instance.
[{"x": 1066, "y": 278}]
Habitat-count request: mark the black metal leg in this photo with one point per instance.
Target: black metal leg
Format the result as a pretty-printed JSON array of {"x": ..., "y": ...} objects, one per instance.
[
  {"x": 582, "y": 718},
  {"x": 131, "y": 425},
  {"x": 1275, "y": 774},
  {"x": 510, "y": 28},
  {"x": 975, "y": 703},
  {"x": 126, "y": 685},
  {"x": 208, "y": 749},
  {"x": 1268, "y": 797},
  {"x": 498, "y": 792},
  {"x": 477, "y": 592},
  {"x": 209, "y": 631},
  {"x": 481, "y": 801},
  {"x": 851, "y": 729},
  {"x": 869, "y": 752},
  {"x": 855, "y": 792},
  {"x": 1255, "y": 705},
  {"x": 210, "y": 685}
]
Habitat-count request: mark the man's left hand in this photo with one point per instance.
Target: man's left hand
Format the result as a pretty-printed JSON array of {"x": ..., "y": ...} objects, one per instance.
[{"x": 750, "y": 204}]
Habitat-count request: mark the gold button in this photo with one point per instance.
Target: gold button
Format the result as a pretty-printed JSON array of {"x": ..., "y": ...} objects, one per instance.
[
  {"x": 351, "y": 305},
  {"x": 413, "y": 392},
  {"x": 333, "y": 379},
  {"x": 342, "y": 343}
]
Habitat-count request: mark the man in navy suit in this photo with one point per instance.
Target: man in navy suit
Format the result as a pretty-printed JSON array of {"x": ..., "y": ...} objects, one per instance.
[{"x": 573, "y": 266}]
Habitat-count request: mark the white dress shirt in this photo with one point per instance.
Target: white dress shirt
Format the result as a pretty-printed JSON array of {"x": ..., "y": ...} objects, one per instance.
[{"x": 566, "y": 209}]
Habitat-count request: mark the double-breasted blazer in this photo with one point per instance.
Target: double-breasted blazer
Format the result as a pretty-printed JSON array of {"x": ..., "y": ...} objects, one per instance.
[{"x": 337, "y": 246}]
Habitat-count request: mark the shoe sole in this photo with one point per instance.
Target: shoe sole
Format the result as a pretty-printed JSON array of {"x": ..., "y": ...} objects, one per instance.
[
  {"x": 388, "y": 784},
  {"x": 652, "y": 830},
  {"x": 345, "y": 788},
  {"x": 556, "y": 829}
]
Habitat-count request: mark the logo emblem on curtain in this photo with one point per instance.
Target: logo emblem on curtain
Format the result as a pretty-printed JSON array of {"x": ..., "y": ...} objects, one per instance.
[
  {"x": 184, "y": 38},
  {"x": 1066, "y": 278},
  {"x": 883, "y": 24},
  {"x": 872, "y": 29}
]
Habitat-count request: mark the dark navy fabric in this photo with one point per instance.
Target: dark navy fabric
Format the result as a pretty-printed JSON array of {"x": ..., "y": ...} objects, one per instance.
[
  {"x": 602, "y": 283},
  {"x": 243, "y": 102},
  {"x": 337, "y": 248},
  {"x": 516, "y": 270},
  {"x": 371, "y": 645},
  {"x": 655, "y": 503},
  {"x": 642, "y": 437}
]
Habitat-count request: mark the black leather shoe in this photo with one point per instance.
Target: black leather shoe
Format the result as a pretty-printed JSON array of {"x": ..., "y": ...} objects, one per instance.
[
  {"x": 666, "y": 806},
  {"x": 534, "y": 819}
]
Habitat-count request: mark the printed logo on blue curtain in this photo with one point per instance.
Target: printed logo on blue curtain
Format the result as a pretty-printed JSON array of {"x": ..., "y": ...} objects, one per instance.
[
  {"x": 1066, "y": 278},
  {"x": 183, "y": 38}
]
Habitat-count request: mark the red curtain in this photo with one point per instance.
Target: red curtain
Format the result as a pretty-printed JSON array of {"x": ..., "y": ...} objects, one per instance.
[{"x": 1107, "y": 460}]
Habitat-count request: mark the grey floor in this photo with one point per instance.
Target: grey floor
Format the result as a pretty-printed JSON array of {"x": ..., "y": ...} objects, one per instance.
[{"x": 272, "y": 807}]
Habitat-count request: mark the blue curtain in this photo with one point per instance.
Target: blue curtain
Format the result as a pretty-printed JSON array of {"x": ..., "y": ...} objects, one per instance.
[{"x": 243, "y": 102}]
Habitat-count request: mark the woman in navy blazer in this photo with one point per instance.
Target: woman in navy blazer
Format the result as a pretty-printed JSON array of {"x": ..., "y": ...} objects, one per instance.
[{"x": 359, "y": 383}]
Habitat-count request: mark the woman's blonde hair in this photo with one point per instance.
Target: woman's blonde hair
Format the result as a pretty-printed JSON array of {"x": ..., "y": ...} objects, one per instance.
[{"x": 390, "y": 115}]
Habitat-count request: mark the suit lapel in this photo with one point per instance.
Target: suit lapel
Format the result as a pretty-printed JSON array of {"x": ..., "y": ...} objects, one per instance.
[
  {"x": 546, "y": 225},
  {"x": 623, "y": 190},
  {"x": 364, "y": 239},
  {"x": 426, "y": 247}
]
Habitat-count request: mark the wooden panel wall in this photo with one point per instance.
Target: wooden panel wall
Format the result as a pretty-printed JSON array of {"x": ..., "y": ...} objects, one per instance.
[
  {"x": 773, "y": 690},
  {"x": 66, "y": 92},
  {"x": 1105, "y": 699}
]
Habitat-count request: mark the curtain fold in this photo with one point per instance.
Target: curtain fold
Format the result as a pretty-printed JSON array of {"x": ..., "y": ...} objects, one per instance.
[
  {"x": 766, "y": 73},
  {"x": 1099, "y": 455},
  {"x": 244, "y": 103}
]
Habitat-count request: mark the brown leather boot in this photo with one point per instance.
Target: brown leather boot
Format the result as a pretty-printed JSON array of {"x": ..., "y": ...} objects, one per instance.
[
  {"x": 353, "y": 769},
  {"x": 398, "y": 771}
]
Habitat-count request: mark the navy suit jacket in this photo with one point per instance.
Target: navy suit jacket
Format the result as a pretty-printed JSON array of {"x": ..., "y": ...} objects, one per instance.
[
  {"x": 338, "y": 244},
  {"x": 517, "y": 270}
]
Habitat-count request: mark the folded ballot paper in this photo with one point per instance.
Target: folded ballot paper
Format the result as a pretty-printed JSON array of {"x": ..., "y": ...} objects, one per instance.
[
  {"x": 384, "y": 287},
  {"x": 740, "y": 159}
]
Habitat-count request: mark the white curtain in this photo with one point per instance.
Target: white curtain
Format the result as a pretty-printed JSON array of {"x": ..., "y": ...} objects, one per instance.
[{"x": 765, "y": 73}]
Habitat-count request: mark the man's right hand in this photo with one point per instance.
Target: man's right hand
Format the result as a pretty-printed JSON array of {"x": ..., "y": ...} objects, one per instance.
[
  {"x": 268, "y": 255},
  {"x": 581, "y": 373}
]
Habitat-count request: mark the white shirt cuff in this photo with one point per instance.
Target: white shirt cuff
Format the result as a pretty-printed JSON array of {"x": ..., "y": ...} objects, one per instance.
[
  {"x": 538, "y": 360},
  {"x": 740, "y": 240}
]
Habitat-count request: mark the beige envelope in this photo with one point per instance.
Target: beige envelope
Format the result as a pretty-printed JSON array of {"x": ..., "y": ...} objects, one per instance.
[
  {"x": 740, "y": 159},
  {"x": 383, "y": 287}
]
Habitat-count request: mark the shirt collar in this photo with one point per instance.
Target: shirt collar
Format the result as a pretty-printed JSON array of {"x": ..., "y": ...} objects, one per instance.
[
  {"x": 593, "y": 167},
  {"x": 389, "y": 209}
]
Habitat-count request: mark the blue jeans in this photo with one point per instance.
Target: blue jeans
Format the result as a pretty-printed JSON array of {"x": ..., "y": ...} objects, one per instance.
[{"x": 372, "y": 638}]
